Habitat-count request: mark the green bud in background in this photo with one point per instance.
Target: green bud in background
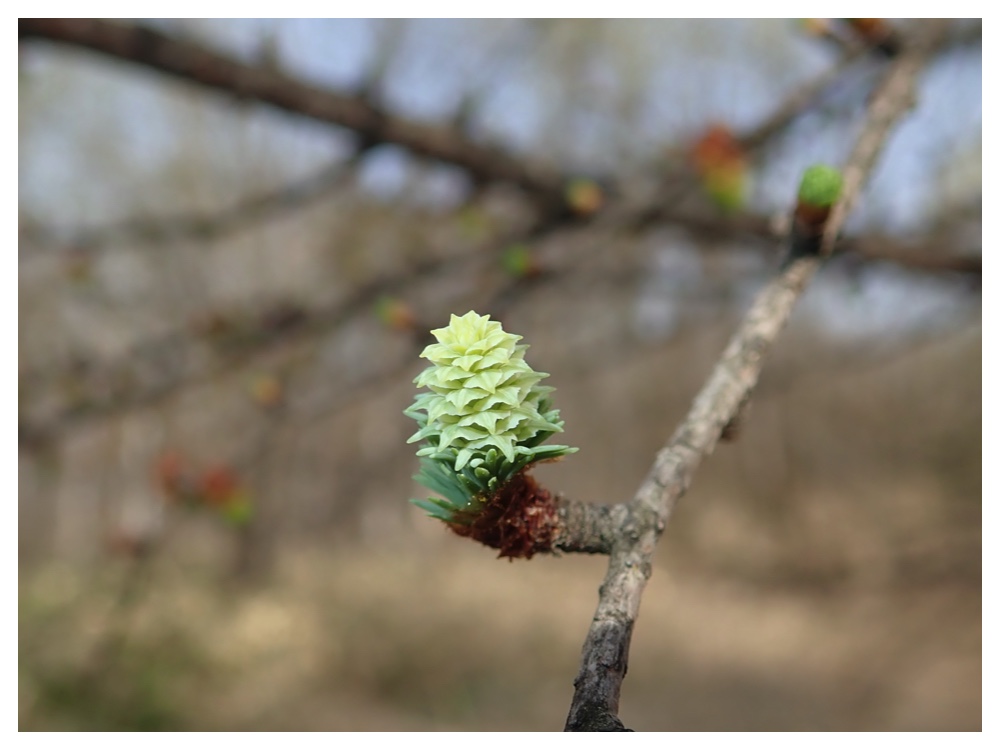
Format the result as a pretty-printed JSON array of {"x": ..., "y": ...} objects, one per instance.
[
  {"x": 518, "y": 261},
  {"x": 820, "y": 186},
  {"x": 483, "y": 418}
]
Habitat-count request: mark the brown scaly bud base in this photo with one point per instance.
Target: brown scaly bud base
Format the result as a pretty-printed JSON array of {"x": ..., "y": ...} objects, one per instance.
[
  {"x": 811, "y": 219},
  {"x": 520, "y": 520},
  {"x": 807, "y": 232}
]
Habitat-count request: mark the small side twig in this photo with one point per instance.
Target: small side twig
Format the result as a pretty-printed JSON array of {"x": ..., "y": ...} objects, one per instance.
[{"x": 587, "y": 528}]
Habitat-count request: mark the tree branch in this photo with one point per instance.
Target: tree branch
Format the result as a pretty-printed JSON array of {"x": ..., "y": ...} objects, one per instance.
[
  {"x": 605, "y": 651},
  {"x": 197, "y": 64}
]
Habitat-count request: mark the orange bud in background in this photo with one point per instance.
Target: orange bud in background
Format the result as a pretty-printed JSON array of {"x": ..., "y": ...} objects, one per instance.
[
  {"x": 584, "y": 196},
  {"x": 816, "y": 26},
  {"x": 218, "y": 485},
  {"x": 396, "y": 314},
  {"x": 719, "y": 160},
  {"x": 872, "y": 30},
  {"x": 877, "y": 32},
  {"x": 867, "y": 26},
  {"x": 266, "y": 391},
  {"x": 716, "y": 147}
]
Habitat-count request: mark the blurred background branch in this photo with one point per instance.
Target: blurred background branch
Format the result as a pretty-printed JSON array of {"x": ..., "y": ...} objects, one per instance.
[{"x": 195, "y": 63}]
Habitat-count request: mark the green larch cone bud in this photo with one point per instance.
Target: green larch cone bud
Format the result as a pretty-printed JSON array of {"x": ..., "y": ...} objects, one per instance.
[
  {"x": 820, "y": 186},
  {"x": 484, "y": 415}
]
